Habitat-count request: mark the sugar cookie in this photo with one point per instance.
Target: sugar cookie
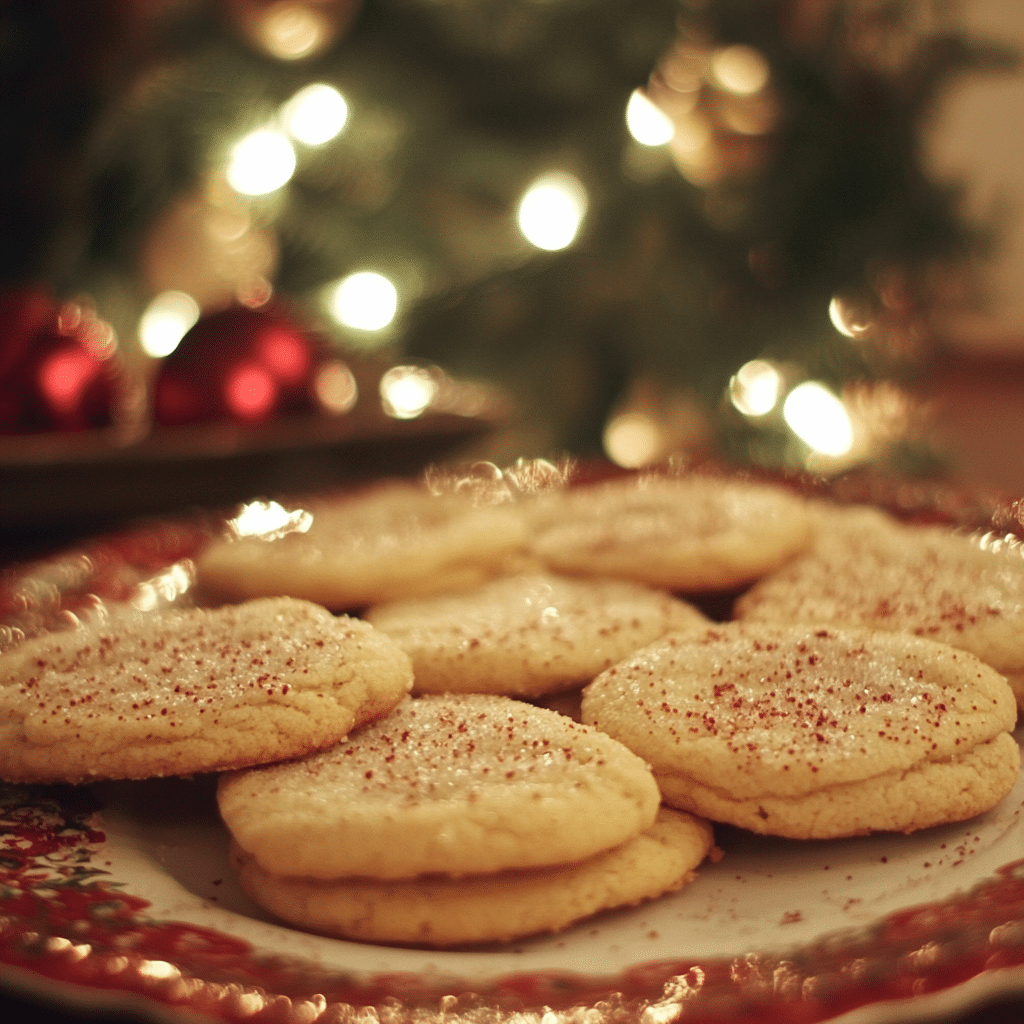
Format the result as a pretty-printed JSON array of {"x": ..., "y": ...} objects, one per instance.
[
  {"x": 813, "y": 733},
  {"x": 458, "y": 784},
  {"x": 440, "y": 911},
  {"x": 868, "y": 569},
  {"x": 687, "y": 533},
  {"x": 393, "y": 540},
  {"x": 528, "y": 634},
  {"x": 188, "y": 691}
]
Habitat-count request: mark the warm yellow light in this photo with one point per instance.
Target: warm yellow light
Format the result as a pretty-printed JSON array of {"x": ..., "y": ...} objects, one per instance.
[
  {"x": 335, "y": 387},
  {"x": 741, "y": 70},
  {"x": 633, "y": 439},
  {"x": 649, "y": 125},
  {"x": 269, "y": 520},
  {"x": 755, "y": 388},
  {"x": 290, "y": 30},
  {"x": 159, "y": 969},
  {"x": 166, "y": 320},
  {"x": 164, "y": 587},
  {"x": 364, "y": 301},
  {"x": 847, "y": 319},
  {"x": 407, "y": 391},
  {"x": 552, "y": 211},
  {"x": 819, "y": 418},
  {"x": 261, "y": 162},
  {"x": 315, "y": 114}
]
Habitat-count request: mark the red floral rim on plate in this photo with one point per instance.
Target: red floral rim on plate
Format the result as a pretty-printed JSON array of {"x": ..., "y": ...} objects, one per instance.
[{"x": 65, "y": 916}]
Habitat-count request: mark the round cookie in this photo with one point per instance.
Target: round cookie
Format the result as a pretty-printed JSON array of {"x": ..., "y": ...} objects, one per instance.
[
  {"x": 530, "y": 634},
  {"x": 439, "y": 911},
  {"x": 688, "y": 533},
  {"x": 813, "y": 733},
  {"x": 929, "y": 793},
  {"x": 393, "y": 540},
  {"x": 866, "y": 568},
  {"x": 189, "y": 691},
  {"x": 457, "y": 784}
]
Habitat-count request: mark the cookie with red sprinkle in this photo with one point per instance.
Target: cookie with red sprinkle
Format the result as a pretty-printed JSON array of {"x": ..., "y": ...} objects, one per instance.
[
  {"x": 528, "y": 634},
  {"x": 191, "y": 690},
  {"x": 868, "y": 569},
  {"x": 346, "y": 551},
  {"x": 457, "y": 819},
  {"x": 814, "y": 733},
  {"x": 691, "y": 533}
]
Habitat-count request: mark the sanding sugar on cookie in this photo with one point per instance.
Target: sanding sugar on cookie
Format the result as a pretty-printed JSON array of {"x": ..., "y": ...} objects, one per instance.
[
  {"x": 347, "y": 551},
  {"x": 456, "y": 784},
  {"x": 866, "y": 568},
  {"x": 528, "y": 635},
  {"x": 196, "y": 690},
  {"x": 814, "y": 733},
  {"x": 688, "y": 533},
  {"x": 440, "y": 911}
]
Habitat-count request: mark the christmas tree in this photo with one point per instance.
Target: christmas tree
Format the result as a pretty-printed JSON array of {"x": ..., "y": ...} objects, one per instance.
[{"x": 708, "y": 179}]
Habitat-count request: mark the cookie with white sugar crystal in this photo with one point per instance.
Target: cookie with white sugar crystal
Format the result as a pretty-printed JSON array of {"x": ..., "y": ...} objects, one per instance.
[
  {"x": 814, "y": 733},
  {"x": 441, "y": 911},
  {"x": 354, "y": 549},
  {"x": 529, "y": 634},
  {"x": 192, "y": 690},
  {"x": 684, "y": 533},
  {"x": 868, "y": 569},
  {"x": 452, "y": 784}
]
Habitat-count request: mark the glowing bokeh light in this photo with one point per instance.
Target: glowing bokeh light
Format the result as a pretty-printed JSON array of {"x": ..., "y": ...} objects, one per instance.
[
  {"x": 284, "y": 354},
  {"x": 164, "y": 587},
  {"x": 407, "y": 391},
  {"x": 315, "y": 114},
  {"x": 291, "y": 30},
  {"x": 364, "y": 301},
  {"x": 847, "y": 319},
  {"x": 740, "y": 70},
  {"x": 64, "y": 375},
  {"x": 166, "y": 320},
  {"x": 335, "y": 387},
  {"x": 633, "y": 439},
  {"x": 269, "y": 520},
  {"x": 755, "y": 388},
  {"x": 552, "y": 210},
  {"x": 250, "y": 391},
  {"x": 159, "y": 969},
  {"x": 819, "y": 418},
  {"x": 260, "y": 162},
  {"x": 649, "y": 125}
]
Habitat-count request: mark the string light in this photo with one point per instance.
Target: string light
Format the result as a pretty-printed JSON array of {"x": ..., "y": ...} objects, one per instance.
[
  {"x": 646, "y": 123},
  {"x": 847, "y": 319},
  {"x": 819, "y": 418},
  {"x": 552, "y": 210},
  {"x": 261, "y": 162},
  {"x": 315, "y": 114},
  {"x": 633, "y": 439},
  {"x": 740, "y": 70},
  {"x": 755, "y": 388},
  {"x": 407, "y": 391},
  {"x": 363, "y": 301},
  {"x": 166, "y": 320}
]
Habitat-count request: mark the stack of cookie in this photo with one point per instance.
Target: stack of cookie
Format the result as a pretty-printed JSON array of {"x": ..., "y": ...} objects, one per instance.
[
  {"x": 371, "y": 675},
  {"x": 458, "y": 819}
]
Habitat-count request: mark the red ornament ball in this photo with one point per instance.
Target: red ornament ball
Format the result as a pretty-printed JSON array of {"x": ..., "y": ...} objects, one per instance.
[
  {"x": 242, "y": 364},
  {"x": 59, "y": 365}
]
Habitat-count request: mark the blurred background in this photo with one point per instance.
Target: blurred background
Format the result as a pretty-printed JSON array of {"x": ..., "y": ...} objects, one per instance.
[{"x": 782, "y": 233}]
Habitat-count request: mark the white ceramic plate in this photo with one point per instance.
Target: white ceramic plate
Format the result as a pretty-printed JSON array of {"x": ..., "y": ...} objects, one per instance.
[{"x": 120, "y": 894}]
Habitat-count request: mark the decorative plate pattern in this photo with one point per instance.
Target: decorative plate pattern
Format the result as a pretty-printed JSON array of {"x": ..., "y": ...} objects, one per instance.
[{"x": 119, "y": 891}]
